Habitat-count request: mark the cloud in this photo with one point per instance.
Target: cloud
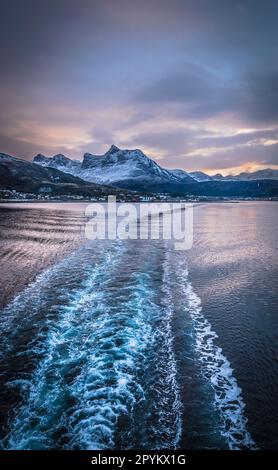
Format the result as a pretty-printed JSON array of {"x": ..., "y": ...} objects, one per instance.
[
  {"x": 21, "y": 149},
  {"x": 227, "y": 159},
  {"x": 194, "y": 149},
  {"x": 196, "y": 93},
  {"x": 243, "y": 137},
  {"x": 183, "y": 80}
]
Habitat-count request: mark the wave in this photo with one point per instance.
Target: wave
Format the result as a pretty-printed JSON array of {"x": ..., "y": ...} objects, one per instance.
[
  {"x": 106, "y": 366},
  {"x": 98, "y": 330},
  {"x": 216, "y": 370}
]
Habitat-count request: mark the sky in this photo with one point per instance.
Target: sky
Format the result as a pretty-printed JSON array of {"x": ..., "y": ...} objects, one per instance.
[{"x": 192, "y": 83}]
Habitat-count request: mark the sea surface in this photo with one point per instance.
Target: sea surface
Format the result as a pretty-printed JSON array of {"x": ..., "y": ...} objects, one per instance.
[{"x": 129, "y": 344}]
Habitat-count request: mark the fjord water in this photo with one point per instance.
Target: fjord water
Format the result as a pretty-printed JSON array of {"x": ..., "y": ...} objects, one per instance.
[{"x": 131, "y": 344}]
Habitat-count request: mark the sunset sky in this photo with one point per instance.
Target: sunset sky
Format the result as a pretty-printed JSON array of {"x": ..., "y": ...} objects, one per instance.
[{"x": 193, "y": 83}]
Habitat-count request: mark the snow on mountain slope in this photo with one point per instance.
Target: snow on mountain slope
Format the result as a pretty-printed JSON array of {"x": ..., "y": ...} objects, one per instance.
[
  {"x": 114, "y": 166},
  {"x": 59, "y": 161},
  {"x": 180, "y": 174},
  {"x": 266, "y": 174},
  {"x": 200, "y": 176},
  {"x": 27, "y": 177},
  {"x": 133, "y": 169},
  {"x": 129, "y": 170}
]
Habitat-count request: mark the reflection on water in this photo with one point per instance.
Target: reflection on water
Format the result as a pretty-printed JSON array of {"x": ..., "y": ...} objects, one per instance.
[
  {"x": 131, "y": 344},
  {"x": 33, "y": 236}
]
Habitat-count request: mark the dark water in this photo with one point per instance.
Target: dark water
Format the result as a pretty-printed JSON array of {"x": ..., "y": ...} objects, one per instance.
[{"x": 131, "y": 344}]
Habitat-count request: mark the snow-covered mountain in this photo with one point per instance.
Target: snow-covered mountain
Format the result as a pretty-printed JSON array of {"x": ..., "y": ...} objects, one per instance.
[
  {"x": 218, "y": 177},
  {"x": 180, "y": 174},
  {"x": 115, "y": 166},
  {"x": 132, "y": 170},
  {"x": 24, "y": 176},
  {"x": 128, "y": 170},
  {"x": 266, "y": 174},
  {"x": 59, "y": 162},
  {"x": 200, "y": 176}
]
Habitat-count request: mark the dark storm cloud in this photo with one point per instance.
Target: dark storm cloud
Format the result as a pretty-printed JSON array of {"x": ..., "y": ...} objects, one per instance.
[
  {"x": 78, "y": 75},
  {"x": 261, "y": 96},
  {"x": 188, "y": 139},
  {"x": 238, "y": 139},
  {"x": 200, "y": 94},
  {"x": 189, "y": 84}
]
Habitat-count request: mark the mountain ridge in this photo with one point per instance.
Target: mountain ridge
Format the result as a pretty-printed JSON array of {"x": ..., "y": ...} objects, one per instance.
[
  {"x": 127, "y": 163},
  {"x": 131, "y": 171},
  {"x": 134, "y": 171},
  {"x": 27, "y": 177},
  {"x": 118, "y": 157}
]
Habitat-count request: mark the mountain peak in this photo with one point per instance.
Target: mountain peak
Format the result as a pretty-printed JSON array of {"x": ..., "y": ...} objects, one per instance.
[
  {"x": 40, "y": 155},
  {"x": 41, "y": 159},
  {"x": 113, "y": 149},
  {"x": 61, "y": 159},
  {"x": 60, "y": 155}
]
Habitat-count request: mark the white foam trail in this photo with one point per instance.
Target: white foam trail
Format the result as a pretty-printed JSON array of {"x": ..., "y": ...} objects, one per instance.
[
  {"x": 107, "y": 365},
  {"x": 169, "y": 365},
  {"x": 107, "y": 388},
  {"x": 107, "y": 377},
  {"x": 163, "y": 415},
  {"x": 47, "y": 391},
  {"x": 217, "y": 370},
  {"x": 24, "y": 311},
  {"x": 90, "y": 376}
]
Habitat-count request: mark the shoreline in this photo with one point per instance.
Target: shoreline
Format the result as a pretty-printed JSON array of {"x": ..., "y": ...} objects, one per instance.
[{"x": 57, "y": 201}]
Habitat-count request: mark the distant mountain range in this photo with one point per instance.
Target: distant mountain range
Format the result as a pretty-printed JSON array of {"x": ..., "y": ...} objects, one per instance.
[
  {"x": 26, "y": 177},
  {"x": 128, "y": 170},
  {"x": 117, "y": 165},
  {"x": 266, "y": 174},
  {"x": 133, "y": 170}
]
